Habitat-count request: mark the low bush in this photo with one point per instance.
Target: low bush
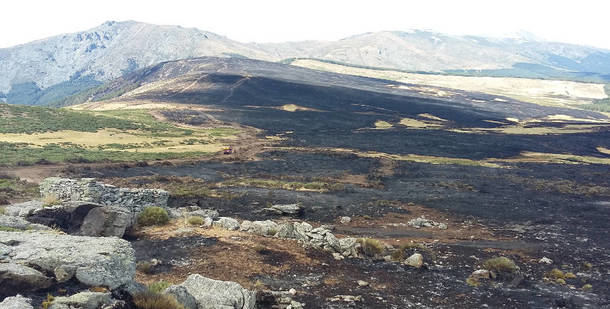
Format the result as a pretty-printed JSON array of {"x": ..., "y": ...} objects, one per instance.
[
  {"x": 153, "y": 216},
  {"x": 150, "y": 300},
  {"x": 399, "y": 254},
  {"x": 371, "y": 247},
  {"x": 159, "y": 286},
  {"x": 50, "y": 200},
  {"x": 145, "y": 267},
  {"x": 501, "y": 265},
  {"x": 195, "y": 220}
]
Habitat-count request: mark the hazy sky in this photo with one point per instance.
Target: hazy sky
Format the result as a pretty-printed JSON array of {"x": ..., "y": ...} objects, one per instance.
[{"x": 581, "y": 22}]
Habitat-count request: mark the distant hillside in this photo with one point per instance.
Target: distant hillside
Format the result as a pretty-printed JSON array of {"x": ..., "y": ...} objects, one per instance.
[
  {"x": 49, "y": 70},
  {"x": 463, "y": 55},
  {"x": 44, "y": 71}
]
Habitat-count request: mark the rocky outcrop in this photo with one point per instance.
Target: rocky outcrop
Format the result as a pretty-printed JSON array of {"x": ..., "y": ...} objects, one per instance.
[
  {"x": 93, "y": 261},
  {"x": 16, "y": 302},
  {"x": 19, "y": 278},
  {"x": 18, "y": 223},
  {"x": 23, "y": 209},
  {"x": 227, "y": 223},
  {"x": 89, "y": 190},
  {"x": 213, "y": 294},
  {"x": 319, "y": 237},
  {"x": 106, "y": 221},
  {"x": 84, "y": 218}
]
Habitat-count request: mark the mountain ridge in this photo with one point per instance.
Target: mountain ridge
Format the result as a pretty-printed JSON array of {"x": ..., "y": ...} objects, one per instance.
[{"x": 48, "y": 70}]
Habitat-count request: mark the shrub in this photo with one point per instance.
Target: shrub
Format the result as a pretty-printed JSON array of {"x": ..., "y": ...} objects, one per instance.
[
  {"x": 195, "y": 220},
  {"x": 556, "y": 274},
  {"x": 153, "y": 216},
  {"x": 570, "y": 275},
  {"x": 399, "y": 254},
  {"x": 159, "y": 286},
  {"x": 371, "y": 247},
  {"x": 149, "y": 300},
  {"x": 2, "y": 211},
  {"x": 587, "y": 287},
  {"x": 145, "y": 267},
  {"x": 50, "y": 200},
  {"x": 500, "y": 265}
]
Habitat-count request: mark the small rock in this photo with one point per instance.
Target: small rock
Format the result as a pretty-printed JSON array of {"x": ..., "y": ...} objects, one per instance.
[
  {"x": 16, "y": 302},
  {"x": 545, "y": 260},
  {"x": 362, "y": 283},
  {"x": 345, "y": 220},
  {"x": 415, "y": 260},
  {"x": 292, "y": 292},
  {"x": 288, "y": 209},
  {"x": 227, "y": 223},
  {"x": 337, "y": 256},
  {"x": 481, "y": 274},
  {"x": 83, "y": 300}
]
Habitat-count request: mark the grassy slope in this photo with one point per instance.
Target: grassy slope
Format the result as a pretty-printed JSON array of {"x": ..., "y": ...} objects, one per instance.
[
  {"x": 543, "y": 92},
  {"x": 34, "y": 134}
]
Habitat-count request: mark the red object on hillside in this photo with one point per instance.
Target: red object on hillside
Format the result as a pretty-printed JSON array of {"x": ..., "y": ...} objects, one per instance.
[{"x": 228, "y": 150}]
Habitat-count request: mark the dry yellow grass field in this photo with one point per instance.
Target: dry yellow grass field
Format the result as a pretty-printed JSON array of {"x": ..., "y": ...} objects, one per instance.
[{"x": 543, "y": 92}]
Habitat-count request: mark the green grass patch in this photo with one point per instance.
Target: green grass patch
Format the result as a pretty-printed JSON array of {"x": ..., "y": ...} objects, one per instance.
[
  {"x": 286, "y": 185},
  {"x": 153, "y": 216},
  {"x": 159, "y": 286},
  {"x": 24, "y": 154},
  {"x": 28, "y": 119}
]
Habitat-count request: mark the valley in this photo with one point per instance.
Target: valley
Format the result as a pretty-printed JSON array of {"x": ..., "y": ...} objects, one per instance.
[{"x": 505, "y": 177}]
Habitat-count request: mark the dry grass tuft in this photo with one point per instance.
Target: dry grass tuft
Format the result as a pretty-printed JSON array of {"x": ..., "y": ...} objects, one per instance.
[
  {"x": 501, "y": 265},
  {"x": 50, "y": 200},
  {"x": 371, "y": 247},
  {"x": 149, "y": 300}
]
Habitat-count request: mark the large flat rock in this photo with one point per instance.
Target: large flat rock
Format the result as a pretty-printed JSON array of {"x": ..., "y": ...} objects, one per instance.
[{"x": 93, "y": 261}]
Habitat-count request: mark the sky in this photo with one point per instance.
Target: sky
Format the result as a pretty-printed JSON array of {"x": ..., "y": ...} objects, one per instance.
[{"x": 584, "y": 22}]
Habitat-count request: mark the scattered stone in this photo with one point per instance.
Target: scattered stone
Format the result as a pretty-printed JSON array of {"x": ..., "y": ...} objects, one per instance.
[
  {"x": 362, "y": 283},
  {"x": 423, "y": 222},
  {"x": 285, "y": 210},
  {"x": 285, "y": 230},
  {"x": 480, "y": 274},
  {"x": 264, "y": 228},
  {"x": 337, "y": 256},
  {"x": 416, "y": 260},
  {"x": 345, "y": 220},
  {"x": 83, "y": 300},
  {"x": 227, "y": 223},
  {"x": 16, "y": 302},
  {"x": 292, "y": 292},
  {"x": 295, "y": 305},
  {"x": 97, "y": 261},
  {"x": 209, "y": 293},
  {"x": 19, "y": 278},
  {"x": 545, "y": 260},
  {"x": 346, "y": 298}
]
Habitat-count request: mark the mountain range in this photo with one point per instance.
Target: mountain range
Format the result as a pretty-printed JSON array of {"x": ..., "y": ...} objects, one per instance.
[{"x": 46, "y": 71}]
